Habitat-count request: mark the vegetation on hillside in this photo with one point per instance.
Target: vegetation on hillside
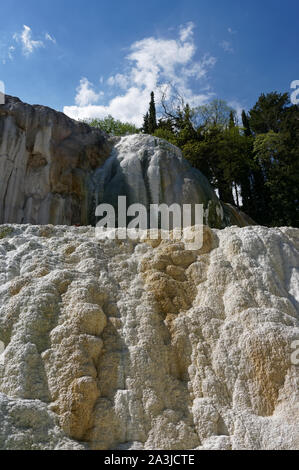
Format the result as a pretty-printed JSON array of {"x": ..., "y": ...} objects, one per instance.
[{"x": 114, "y": 126}]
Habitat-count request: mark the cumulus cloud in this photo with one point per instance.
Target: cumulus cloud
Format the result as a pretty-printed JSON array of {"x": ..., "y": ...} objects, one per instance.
[
  {"x": 119, "y": 79},
  {"x": 151, "y": 64},
  {"x": 128, "y": 107},
  {"x": 86, "y": 94},
  {"x": 28, "y": 44}
]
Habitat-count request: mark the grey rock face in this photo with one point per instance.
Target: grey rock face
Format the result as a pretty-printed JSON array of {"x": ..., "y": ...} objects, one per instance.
[{"x": 45, "y": 160}]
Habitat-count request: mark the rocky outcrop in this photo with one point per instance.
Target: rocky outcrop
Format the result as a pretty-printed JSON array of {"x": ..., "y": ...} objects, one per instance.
[
  {"x": 56, "y": 170},
  {"x": 46, "y": 160},
  {"x": 146, "y": 344}
]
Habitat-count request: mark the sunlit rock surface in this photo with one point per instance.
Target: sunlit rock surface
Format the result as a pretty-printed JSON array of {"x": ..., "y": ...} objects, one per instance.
[
  {"x": 146, "y": 344},
  {"x": 56, "y": 170}
]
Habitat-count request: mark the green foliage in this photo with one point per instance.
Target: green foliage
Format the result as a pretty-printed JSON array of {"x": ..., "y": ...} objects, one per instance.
[
  {"x": 266, "y": 147},
  {"x": 167, "y": 135},
  {"x": 279, "y": 159},
  {"x": 259, "y": 161},
  {"x": 114, "y": 126},
  {"x": 246, "y": 125},
  {"x": 268, "y": 113},
  {"x": 216, "y": 146},
  {"x": 276, "y": 153},
  {"x": 145, "y": 127}
]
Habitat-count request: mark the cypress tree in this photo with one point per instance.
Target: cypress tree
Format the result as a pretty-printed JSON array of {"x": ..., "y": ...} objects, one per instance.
[{"x": 152, "y": 119}]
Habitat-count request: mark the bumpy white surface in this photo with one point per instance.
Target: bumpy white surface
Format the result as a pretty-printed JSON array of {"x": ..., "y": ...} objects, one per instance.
[
  {"x": 128, "y": 345},
  {"x": 29, "y": 425}
]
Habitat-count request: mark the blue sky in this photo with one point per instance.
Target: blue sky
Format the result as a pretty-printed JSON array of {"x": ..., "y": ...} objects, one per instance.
[{"x": 98, "y": 57}]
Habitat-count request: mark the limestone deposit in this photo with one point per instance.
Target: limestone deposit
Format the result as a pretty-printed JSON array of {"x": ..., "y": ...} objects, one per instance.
[{"x": 121, "y": 344}]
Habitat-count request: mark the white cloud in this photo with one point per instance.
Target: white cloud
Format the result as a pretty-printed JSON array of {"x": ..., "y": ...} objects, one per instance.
[
  {"x": 86, "y": 94},
  {"x": 128, "y": 107},
  {"x": 50, "y": 38},
  {"x": 119, "y": 80},
  {"x": 152, "y": 63},
  {"x": 25, "y": 41},
  {"x": 226, "y": 46},
  {"x": 28, "y": 44},
  {"x": 186, "y": 31}
]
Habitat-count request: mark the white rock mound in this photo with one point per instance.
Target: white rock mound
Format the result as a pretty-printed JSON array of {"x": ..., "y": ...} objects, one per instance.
[
  {"x": 148, "y": 170},
  {"x": 148, "y": 345}
]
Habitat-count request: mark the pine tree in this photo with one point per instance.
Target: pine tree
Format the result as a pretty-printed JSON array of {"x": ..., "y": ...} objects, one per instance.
[{"x": 152, "y": 119}]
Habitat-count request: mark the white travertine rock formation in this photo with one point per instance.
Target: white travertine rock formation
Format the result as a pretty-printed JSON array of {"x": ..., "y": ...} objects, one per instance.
[
  {"x": 29, "y": 425},
  {"x": 148, "y": 345},
  {"x": 148, "y": 170}
]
